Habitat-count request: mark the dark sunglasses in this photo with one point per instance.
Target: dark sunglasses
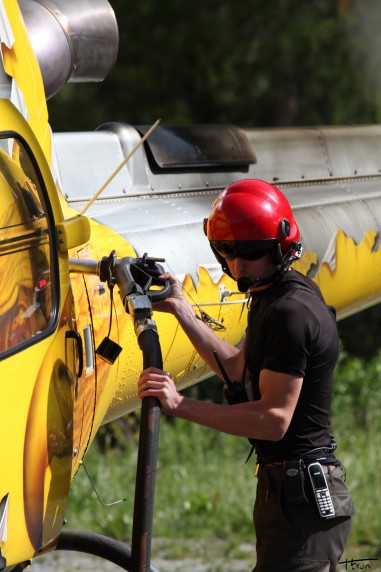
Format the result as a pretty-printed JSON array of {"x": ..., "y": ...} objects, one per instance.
[{"x": 245, "y": 249}]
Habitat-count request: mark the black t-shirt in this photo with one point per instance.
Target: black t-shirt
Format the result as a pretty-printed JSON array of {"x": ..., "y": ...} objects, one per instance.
[{"x": 291, "y": 330}]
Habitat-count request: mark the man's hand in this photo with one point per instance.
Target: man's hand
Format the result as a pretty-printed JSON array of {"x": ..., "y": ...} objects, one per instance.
[
  {"x": 176, "y": 297},
  {"x": 154, "y": 382}
]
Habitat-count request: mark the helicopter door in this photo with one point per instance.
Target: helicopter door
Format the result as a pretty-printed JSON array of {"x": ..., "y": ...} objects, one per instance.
[
  {"x": 40, "y": 353},
  {"x": 86, "y": 384}
]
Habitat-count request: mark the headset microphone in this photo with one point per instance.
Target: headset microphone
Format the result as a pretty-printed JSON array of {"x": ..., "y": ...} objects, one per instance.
[{"x": 244, "y": 283}]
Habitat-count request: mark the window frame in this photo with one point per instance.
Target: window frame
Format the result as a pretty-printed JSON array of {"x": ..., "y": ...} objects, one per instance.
[{"x": 53, "y": 254}]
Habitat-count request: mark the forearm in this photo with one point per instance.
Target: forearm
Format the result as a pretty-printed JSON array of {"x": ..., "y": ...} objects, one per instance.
[
  {"x": 205, "y": 341},
  {"x": 267, "y": 418},
  {"x": 242, "y": 420}
]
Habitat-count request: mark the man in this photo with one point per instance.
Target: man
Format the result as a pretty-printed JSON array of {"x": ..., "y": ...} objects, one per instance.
[{"x": 286, "y": 365}]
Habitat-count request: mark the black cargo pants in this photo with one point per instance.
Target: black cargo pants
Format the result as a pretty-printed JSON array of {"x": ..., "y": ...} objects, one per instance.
[{"x": 295, "y": 538}]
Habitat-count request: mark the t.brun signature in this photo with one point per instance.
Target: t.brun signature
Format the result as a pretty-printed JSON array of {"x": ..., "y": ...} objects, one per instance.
[{"x": 358, "y": 563}]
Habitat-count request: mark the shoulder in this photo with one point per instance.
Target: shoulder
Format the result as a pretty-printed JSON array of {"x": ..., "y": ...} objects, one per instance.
[
  {"x": 297, "y": 298},
  {"x": 295, "y": 286},
  {"x": 295, "y": 280}
]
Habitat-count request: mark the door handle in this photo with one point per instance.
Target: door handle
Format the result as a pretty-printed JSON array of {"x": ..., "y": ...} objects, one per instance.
[{"x": 75, "y": 336}]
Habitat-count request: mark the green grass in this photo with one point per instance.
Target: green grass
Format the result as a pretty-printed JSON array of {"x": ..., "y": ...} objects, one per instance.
[{"x": 204, "y": 489}]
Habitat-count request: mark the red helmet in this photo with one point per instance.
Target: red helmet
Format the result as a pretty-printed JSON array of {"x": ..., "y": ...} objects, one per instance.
[{"x": 250, "y": 218}]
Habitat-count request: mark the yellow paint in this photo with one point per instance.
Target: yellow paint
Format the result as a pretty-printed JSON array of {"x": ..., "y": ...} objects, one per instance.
[
  {"x": 354, "y": 280},
  {"x": 179, "y": 356},
  {"x": 306, "y": 262},
  {"x": 21, "y": 63},
  {"x": 34, "y": 409},
  {"x": 37, "y": 474},
  {"x": 356, "y": 277},
  {"x": 48, "y": 446}
]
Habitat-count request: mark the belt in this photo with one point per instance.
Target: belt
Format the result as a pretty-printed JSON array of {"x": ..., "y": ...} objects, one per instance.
[{"x": 277, "y": 471}]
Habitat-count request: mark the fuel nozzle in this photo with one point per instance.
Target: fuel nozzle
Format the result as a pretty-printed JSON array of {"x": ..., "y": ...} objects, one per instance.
[
  {"x": 140, "y": 277},
  {"x": 139, "y": 287}
]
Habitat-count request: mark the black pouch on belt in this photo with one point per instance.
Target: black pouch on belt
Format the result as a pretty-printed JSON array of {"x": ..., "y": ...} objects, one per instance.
[{"x": 294, "y": 481}]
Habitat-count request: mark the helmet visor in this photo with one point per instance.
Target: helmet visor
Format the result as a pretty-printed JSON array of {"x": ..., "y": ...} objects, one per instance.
[{"x": 245, "y": 249}]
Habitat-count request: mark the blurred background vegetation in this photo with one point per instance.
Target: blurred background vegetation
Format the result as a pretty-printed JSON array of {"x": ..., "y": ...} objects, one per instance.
[
  {"x": 253, "y": 63},
  {"x": 256, "y": 63}
]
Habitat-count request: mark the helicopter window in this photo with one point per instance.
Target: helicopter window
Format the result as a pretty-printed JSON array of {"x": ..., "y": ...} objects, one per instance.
[
  {"x": 179, "y": 147},
  {"x": 27, "y": 302}
]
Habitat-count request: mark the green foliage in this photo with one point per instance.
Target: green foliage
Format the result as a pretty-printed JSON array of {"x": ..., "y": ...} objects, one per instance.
[
  {"x": 206, "y": 476},
  {"x": 357, "y": 398},
  {"x": 200, "y": 475},
  {"x": 357, "y": 427},
  {"x": 254, "y": 63},
  {"x": 205, "y": 490},
  {"x": 359, "y": 333}
]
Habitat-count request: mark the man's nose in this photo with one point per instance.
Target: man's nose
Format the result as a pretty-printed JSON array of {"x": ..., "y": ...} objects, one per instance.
[{"x": 240, "y": 264}]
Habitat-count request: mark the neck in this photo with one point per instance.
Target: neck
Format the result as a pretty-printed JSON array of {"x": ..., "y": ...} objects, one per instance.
[{"x": 260, "y": 288}]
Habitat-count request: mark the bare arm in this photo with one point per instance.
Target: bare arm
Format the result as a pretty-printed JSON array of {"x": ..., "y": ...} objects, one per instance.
[
  {"x": 268, "y": 418},
  {"x": 204, "y": 340}
]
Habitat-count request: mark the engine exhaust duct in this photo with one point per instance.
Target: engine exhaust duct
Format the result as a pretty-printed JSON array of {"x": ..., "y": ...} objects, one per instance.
[{"x": 74, "y": 40}]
